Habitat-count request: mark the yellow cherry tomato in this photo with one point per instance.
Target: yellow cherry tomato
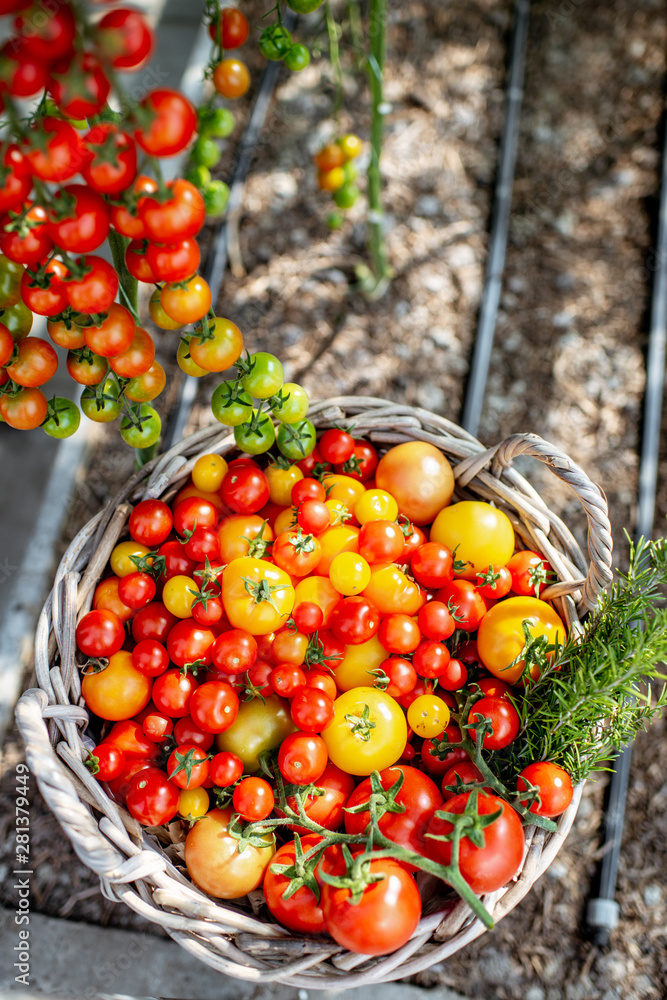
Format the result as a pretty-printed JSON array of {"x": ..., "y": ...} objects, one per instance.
[
  {"x": 119, "y": 691},
  {"x": 257, "y": 596},
  {"x": 193, "y": 803},
  {"x": 482, "y": 535},
  {"x": 343, "y": 488},
  {"x": 340, "y": 513},
  {"x": 318, "y": 590},
  {"x": 331, "y": 180},
  {"x": 375, "y": 505},
  {"x": 349, "y": 573},
  {"x": 428, "y": 716},
  {"x": 158, "y": 315},
  {"x": 368, "y": 732},
  {"x": 185, "y": 362},
  {"x": 285, "y": 521},
  {"x": 355, "y": 669},
  {"x": 339, "y": 538},
  {"x": 281, "y": 482},
  {"x": 121, "y": 557},
  {"x": 392, "y": 592},
  {"x": 500, "y": 638},
  {"x": 208, "y": 472},
  {"x": 179, "y": 594},
  {"x": 351, "y": 145}
]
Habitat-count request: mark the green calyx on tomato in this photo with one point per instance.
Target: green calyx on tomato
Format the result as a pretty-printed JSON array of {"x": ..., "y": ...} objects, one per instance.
[
  {"x": 62, "y": 418},
  {"x": 296, "y": 441},
  {"x": 275, "y": 42},
  {"x": 142, "y": 427}
]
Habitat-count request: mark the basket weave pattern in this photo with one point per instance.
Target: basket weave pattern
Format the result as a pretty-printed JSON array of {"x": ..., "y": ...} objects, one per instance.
[{"x": 239, "y": 938}]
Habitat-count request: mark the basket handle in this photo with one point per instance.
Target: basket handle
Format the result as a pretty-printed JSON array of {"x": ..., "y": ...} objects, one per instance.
[{"x": 589, "y": 494}]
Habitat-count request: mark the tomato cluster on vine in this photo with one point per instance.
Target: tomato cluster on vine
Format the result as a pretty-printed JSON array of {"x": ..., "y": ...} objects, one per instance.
[{"x": 331, "y": 648}]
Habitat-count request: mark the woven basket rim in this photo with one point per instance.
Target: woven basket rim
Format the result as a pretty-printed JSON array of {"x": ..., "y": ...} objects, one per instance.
[{"x": 128, "y": 860}]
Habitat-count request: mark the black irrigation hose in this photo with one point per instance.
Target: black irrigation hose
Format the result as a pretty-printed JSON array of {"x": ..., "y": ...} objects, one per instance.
[
  {"x": 216, "y": 261},
  {"x": 603, "y": 910},
  {"x": 495, "y": 261}
]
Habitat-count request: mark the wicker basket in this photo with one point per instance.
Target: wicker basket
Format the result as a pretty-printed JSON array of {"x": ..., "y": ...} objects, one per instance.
[{"x": 239, "y": 938}]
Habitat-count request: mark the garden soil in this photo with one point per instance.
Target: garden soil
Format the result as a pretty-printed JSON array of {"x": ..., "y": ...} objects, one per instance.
[{"x": 568, "y": 363}]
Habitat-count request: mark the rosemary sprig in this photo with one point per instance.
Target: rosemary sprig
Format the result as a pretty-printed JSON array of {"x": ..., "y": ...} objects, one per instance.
[{"x": 596, "y": 694}]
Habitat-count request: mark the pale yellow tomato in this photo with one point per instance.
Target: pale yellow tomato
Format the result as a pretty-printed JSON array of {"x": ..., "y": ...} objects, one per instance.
[
  {"x": 419, "y": 477},
  {"x": 215, "y": 863}
]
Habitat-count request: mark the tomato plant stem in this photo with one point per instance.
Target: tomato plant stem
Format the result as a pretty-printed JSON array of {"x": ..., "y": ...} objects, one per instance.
[
  {"x": 377, "y": 283},
  {"x": 334, "y": 58},
  {"x": 129, "y": 286}
]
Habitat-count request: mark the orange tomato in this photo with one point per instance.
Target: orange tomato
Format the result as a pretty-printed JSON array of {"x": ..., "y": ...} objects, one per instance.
[
  {"x": 419, "y": 477},
  {"x": 119, "y": 691},
  {"x": 391, "y": 591}
]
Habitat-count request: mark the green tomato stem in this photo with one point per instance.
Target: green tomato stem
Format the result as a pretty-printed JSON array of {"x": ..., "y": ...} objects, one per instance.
[
  {"x": 381, "y": 271},
  {"x": 129, "y": 286}
]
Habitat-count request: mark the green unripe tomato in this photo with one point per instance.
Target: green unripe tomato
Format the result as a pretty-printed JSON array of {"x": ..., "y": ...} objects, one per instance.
[
  {"x": 295, "y": 405},
  {"x": 105, "y": 409},
  {"x": 351, "y": 172},
  {"x": 10, "y": 282},
  {"x": 216, "y": 198},
  {"x": 218, "y": 122},
  {"x": 275, "y": 42},
  {"x": 17, "y": 319},
  {"x": 198, "y": 175},
  {"x": 257, "y": 441},
  {"x": 296, "y": 441},
  {"x": 297, "y": 58},
  {"x": 262, "y": 724},
  {"x": 149, "y": 431},
  {"x": 346, "y": 196},
  {"x": 206, "y": 152},
  {"x": 265, "y": 377},
  {"x": 63, "y": 418},
  {"x": 304, "y": 6},
  {"x": 231, "y": 406},
  {"x": 335, "y": 220}
]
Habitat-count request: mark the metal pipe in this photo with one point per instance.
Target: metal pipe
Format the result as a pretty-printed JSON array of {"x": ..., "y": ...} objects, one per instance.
[
  {"x": 603, "y": 911},
  {"x": 495, "y": 261}
]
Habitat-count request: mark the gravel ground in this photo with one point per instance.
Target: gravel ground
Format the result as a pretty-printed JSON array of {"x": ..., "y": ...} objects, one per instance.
[{"x": 568, "y": 363}]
